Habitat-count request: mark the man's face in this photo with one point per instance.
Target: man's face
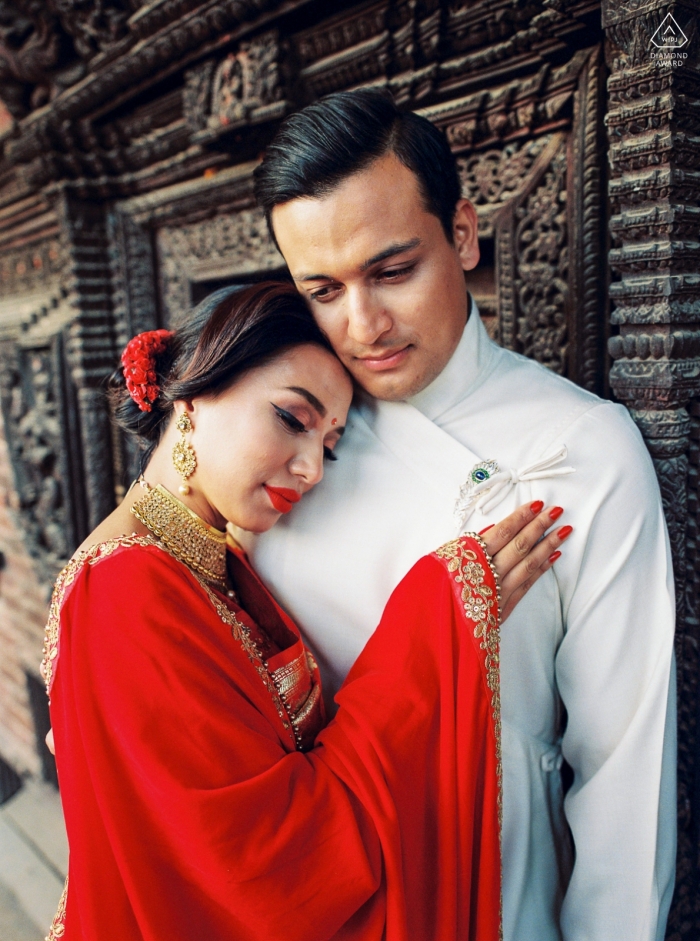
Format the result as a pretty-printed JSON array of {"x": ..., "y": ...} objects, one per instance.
[{"x": 381, "y": 278}]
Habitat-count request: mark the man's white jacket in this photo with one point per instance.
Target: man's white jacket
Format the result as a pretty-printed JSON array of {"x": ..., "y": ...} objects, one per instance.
[{"x": 586, "y": 657}]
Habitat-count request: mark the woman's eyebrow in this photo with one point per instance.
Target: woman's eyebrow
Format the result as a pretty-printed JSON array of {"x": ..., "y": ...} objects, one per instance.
[{"x": 310, "y": 398}]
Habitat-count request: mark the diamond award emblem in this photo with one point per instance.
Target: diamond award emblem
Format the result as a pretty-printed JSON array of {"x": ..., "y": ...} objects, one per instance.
[{"x": 669, "y": 35}]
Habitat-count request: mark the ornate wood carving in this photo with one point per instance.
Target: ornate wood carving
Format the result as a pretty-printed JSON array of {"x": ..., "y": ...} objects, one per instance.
[
  {"x": 31, "y": 50},
  {"x": 542, "y": 269},
  {"x": 38, "y": 404},
  {"x": 134, "y": 281},
  {"x": 95, "y": 25},
  {"x": 587, "y": 354},
  {"x": 218, "y": 248},
  {"x": 91, "y": 349},
  {"x": 26, "y": 268},
  {"x": 539, "y": 199},
  {"x": 655, "y": 194},
  {"x": 492, "y": 178},
  {"x": 43, "y": 46},
  {"x": 246, "y": 87}
]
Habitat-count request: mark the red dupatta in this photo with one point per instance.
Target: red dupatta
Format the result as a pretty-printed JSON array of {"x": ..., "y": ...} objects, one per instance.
[{"x": 190, "y": 815}]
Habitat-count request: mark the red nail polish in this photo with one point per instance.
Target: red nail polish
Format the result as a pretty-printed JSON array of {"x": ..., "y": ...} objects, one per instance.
[
  {"x": 564, "y": 531},
  {"x": 536, "y": 507},
  {"x": 556, "y": 512},
  {"x": 487, "y": 529},
  {"x": 554, "y": 556}
]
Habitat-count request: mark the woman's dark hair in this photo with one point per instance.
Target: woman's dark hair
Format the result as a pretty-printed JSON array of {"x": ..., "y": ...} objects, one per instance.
[
  {"x": 317, "y": 148},
  {"x": 230, "y": 332}
]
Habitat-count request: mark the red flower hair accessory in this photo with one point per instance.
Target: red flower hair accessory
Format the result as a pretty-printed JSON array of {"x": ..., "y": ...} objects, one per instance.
[{"x": 139, "y": 362}]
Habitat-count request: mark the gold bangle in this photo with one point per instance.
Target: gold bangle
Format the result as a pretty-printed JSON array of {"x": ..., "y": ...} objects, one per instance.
[{"x": 477, "y": 538}]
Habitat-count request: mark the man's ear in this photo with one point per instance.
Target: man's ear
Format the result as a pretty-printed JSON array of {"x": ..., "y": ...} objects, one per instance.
[{"x": 465, "y": 234}]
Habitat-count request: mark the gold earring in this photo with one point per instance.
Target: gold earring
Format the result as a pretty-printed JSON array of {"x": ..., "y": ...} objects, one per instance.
[{"x": 184, "y": 458}]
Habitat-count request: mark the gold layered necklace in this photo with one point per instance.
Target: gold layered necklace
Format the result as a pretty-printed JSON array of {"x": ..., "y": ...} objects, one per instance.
[{"x": 201, "y": 547}]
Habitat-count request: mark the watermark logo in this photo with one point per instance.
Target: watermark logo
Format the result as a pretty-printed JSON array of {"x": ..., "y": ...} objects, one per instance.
[
  {"x": 669, "y": 35},
  {"x": 668, "y": 39}
]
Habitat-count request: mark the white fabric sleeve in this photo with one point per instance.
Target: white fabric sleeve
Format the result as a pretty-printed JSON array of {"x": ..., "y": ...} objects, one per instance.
[{"x": 615, "y": 674}]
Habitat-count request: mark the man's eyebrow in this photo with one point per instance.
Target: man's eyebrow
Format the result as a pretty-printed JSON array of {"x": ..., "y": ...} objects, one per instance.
[
  {"x": 310, "y": 398},
  {"x": 396, "y": 249},
  {"x": 389, "y": 252}
]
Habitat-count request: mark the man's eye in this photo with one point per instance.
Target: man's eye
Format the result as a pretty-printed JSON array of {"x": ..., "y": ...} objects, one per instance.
[
  {"x": 393, "y": 274},
  {"x": 324, "y": 293},
  {"x": 328, "y": 455},
  {"x": 288, "y": 419}
]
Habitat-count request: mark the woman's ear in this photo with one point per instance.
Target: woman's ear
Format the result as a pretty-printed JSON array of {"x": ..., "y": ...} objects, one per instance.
[
  {"x": 185, "y": 407},
  {"x": 465, "y": 234}
]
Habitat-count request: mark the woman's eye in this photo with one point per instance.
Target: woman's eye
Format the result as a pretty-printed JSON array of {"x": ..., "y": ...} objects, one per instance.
[
  {"x": 328, "y": 455},
  {"x": 288, "y": 419}
]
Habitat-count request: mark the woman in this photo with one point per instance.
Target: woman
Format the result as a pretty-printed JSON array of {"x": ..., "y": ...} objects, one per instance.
[{"x": 204, "y": 799}]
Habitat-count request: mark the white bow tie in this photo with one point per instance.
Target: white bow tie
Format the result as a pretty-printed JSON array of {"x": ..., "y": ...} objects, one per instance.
[{"x": 487, "y": 485}]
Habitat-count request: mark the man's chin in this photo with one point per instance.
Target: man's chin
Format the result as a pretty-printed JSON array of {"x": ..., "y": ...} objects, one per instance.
[{"x": 392, "y": 386}]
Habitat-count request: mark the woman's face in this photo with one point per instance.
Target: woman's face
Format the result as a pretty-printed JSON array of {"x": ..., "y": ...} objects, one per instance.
[{"x": 261, "y": 444}]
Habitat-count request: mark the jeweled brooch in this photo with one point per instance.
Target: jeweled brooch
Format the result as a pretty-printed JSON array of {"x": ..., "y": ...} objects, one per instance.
[{"x": 472, "y": 489}]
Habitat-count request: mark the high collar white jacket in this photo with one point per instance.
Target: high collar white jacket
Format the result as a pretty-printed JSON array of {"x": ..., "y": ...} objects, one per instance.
[{"x": 586, "y": 657}]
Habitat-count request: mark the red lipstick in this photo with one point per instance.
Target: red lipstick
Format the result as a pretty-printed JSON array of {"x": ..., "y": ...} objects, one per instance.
[{"x": 282, "y": 498}]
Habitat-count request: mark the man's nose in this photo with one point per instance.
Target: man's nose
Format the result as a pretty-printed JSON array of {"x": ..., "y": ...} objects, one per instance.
[{"x": 368, "y": 320}]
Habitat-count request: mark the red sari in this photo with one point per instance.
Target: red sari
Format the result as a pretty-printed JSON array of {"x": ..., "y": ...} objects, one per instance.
[{"x": 193, "y": 813}]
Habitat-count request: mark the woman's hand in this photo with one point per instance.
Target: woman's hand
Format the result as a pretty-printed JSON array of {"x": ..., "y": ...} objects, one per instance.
[{"x": 522, "y": 551}]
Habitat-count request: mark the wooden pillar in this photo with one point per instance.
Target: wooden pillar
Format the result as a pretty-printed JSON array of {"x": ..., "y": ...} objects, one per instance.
[
  {"x": 91, "y": 346},
  {"x": 654, "y": 190}
]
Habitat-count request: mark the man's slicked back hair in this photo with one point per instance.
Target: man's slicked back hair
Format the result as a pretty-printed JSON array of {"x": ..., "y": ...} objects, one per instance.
[{"x": 317, "y": 148}]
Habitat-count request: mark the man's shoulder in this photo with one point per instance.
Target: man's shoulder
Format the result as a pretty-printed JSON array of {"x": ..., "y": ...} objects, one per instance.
[
  {"x": 534, "y": 380},
  {"x": 564, "y": 411},
  {"x": 554, "y": 395}
]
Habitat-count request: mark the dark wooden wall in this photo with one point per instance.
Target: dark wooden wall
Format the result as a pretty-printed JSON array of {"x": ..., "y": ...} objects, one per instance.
[{"x": 131, "y": 132}]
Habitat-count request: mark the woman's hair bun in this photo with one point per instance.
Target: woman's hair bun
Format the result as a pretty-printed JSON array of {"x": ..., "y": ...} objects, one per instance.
[{"x": 135, "y": 386}]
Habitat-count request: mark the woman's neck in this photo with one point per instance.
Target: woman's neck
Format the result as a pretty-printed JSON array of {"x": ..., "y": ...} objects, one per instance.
[{"x": 160, "y": 470}]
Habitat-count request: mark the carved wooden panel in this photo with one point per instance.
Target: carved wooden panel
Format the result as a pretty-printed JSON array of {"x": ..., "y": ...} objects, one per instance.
[
  {"x": 40, "y": 410},
  {"x": 538, "y": 198},
  {"x": 224, "y": 247}
]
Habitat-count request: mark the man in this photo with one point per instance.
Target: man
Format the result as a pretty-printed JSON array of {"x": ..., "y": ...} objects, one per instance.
[{"x": 451, "y": 432}]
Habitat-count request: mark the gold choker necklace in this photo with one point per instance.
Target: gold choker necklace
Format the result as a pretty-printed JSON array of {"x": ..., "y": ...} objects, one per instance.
[{"x": 182, "y": 532}]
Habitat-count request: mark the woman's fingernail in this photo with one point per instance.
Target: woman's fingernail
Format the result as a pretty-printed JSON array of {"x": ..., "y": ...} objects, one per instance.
[
  {"x": 556, "y": 512},
  {"x": 536, "y": 507},
  {"x": 487, "y": 529},
  {"x": 564, "y": 531},
  {"x": 554, "y": 556}
]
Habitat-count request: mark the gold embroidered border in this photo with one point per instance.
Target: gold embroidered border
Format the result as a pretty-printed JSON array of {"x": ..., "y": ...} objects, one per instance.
[
  {"x": 481, "y": 605},
  {"x": 242, "y": 634},
  {"x": 65, "y": 579},
  {"x": 51, "y": 643},
  {"x": 100, "y": 551},
  {"x": 58, "y": 925}
]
